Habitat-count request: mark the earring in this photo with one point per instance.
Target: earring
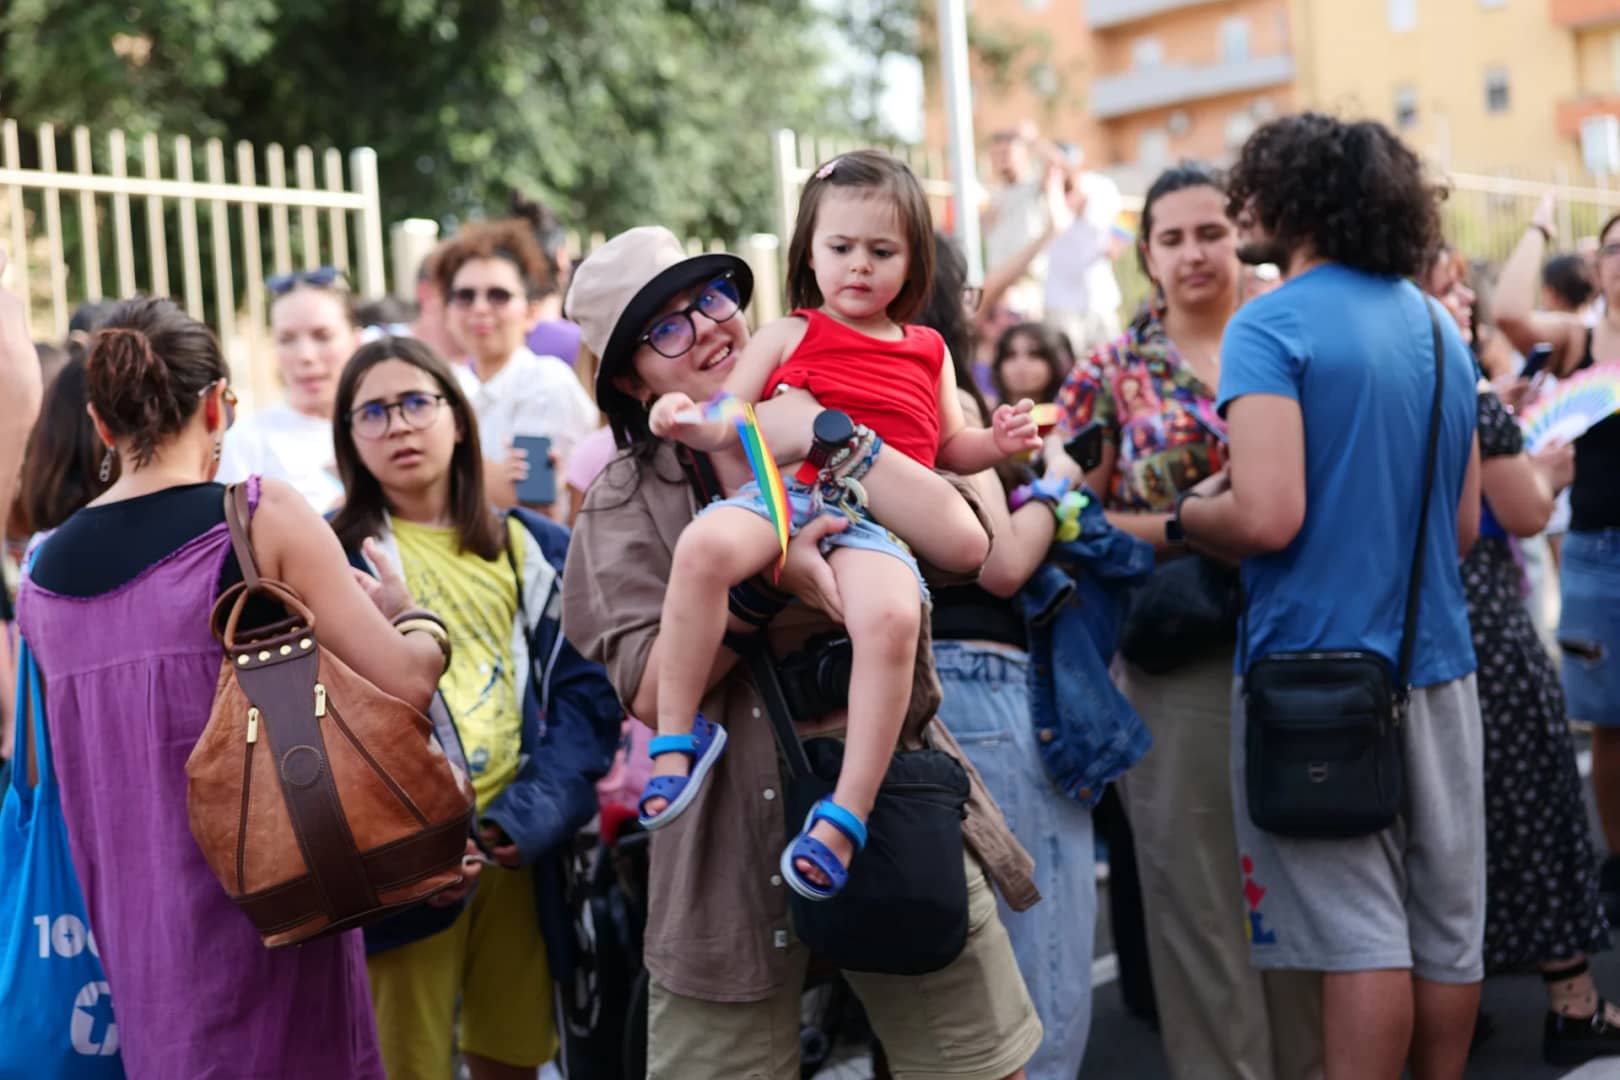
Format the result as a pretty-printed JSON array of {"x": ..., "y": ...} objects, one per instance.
[{"x": 106, "y": 465}]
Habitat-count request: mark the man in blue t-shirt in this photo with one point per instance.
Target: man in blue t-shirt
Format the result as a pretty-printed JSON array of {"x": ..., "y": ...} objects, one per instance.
[{"x": 1327, "y": 385}]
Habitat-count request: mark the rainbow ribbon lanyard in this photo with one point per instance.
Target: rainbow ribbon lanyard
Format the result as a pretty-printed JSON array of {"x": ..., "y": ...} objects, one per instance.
[{"x": 740, "y": 414}]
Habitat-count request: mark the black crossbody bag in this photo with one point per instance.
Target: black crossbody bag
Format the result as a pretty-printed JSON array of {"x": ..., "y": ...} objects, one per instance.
[
  {"x": 904, "y": 910},
  {"x": 1323, "y": 750}
]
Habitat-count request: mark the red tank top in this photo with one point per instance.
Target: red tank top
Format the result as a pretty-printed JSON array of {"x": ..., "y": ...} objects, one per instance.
[{"x": 890, "y": 386}]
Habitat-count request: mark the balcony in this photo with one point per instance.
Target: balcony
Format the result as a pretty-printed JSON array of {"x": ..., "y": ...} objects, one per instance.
[
  {"x": 1573, "y": 112},
  {"x": 1579, "y": 14},
  {"x": 1113, "y": 96},
  {"x": 1104, "y": 14}
]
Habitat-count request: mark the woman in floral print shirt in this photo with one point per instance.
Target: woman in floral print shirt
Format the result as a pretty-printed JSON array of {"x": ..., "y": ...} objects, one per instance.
[{"x": 1154, "y": 390}]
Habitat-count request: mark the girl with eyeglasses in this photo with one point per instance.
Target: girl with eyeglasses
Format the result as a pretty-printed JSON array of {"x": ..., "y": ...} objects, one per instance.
[
  {"x": 536, "y": 723},
  {"x": 313, "y": 325},
  {"x": 859, "y": 268},
  {"x": 494, "y": 276}
]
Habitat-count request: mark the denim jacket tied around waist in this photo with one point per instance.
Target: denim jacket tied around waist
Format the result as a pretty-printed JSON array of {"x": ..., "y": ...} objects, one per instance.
[{"x": 1087, "y": 733}]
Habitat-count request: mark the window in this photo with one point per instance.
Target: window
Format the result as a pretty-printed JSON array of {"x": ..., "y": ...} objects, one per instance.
[
  {"x": 1239, "y": 126},
  {"x": 1147, "y": 52},
  {"x": 1406, "y": 108},
  {"x": 1153, "y": 148},
  {"x": 1497, "y": 96},
  {"x": 1403, "y": 15},
  {"x": 1234, "y": 40}
]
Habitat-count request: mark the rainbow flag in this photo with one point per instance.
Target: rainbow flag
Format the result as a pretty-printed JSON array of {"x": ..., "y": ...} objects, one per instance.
[{"x": 729, "y": 407}]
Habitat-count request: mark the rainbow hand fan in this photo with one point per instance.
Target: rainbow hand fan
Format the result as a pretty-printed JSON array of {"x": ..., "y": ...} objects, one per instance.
[
  {"x": 724, "y": 406},
  {"x": 1574, "y": 406}
]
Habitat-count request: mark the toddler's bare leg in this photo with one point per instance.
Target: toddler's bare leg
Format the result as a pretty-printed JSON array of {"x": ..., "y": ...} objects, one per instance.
[
  {"x": 723, "y": 547},
  {"x": 883, "y": 613}
]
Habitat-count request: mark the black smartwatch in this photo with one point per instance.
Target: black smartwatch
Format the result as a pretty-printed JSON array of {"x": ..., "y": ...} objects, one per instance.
[{"x": 1173, "y": 533}]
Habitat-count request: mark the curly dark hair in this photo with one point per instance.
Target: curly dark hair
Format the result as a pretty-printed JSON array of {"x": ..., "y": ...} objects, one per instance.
[{"x": 1352, "y": 191}]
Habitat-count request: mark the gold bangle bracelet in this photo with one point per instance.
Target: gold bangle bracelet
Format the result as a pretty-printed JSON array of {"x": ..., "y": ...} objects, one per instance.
[{"x": 430, "y": 628}]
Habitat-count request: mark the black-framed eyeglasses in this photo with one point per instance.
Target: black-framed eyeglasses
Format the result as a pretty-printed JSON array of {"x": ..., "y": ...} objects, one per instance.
[
  {"x": 674, "y": 334},
  {"x": 467, "y": 297},
  {"x": 322, "y": 277},
  {"x": 416, "y": 411}
]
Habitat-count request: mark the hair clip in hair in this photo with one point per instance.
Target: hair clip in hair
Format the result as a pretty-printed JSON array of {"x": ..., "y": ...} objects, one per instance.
[{"x": 827, "y": 169}]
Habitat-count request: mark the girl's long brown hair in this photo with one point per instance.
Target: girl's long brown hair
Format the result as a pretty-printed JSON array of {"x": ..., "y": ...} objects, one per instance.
[{"x": 479, "y": 529}]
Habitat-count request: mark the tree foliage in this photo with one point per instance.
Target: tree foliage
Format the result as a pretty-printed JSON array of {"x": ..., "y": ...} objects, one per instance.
[{"x": 618, "y": 112}]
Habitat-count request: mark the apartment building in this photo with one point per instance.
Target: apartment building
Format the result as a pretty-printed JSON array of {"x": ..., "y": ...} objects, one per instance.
[
  {"x": 1590, "y": 115},
  {"x": 1476, "y": 85}
]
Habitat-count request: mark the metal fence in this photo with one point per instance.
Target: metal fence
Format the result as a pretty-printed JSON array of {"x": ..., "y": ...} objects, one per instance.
[
  {"x": 90, "y": 244},
  {"x": 88, "y": 247}
]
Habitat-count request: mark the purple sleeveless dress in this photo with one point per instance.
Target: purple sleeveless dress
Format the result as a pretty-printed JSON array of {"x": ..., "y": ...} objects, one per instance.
[{"x": 130, "y": 678}]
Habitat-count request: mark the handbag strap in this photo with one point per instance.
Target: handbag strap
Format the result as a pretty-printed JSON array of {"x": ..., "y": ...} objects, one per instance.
[
  {"x": 31, "y": 732},
  {"x": 1414, "y": 587},
  {"x": 755, "y": 656},
  {"x": 237, "y": 514}
]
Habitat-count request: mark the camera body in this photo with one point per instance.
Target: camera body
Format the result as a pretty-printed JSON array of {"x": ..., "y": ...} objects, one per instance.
[{"x": 815, "y": 679}]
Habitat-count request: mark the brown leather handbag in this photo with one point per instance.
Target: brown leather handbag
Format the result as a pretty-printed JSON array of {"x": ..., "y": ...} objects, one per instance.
[{"x": 321, "y": 802}]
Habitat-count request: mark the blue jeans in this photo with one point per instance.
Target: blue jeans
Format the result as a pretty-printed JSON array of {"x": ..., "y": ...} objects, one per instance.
[
  {"x": 987, "y": 709},
  {"x": 1589, "y": 629}
]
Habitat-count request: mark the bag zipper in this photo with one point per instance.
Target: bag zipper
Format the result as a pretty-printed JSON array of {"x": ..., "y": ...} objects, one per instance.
[
  {"x": 399, "y": 793},
  {"x": 247, "y": 787}
]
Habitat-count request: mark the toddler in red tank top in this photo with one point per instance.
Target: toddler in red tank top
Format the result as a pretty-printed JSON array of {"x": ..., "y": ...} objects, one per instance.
[{"x": 860, "y": 265}]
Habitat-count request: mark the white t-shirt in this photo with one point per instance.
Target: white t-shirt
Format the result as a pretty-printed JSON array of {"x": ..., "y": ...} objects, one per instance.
[
  {"x": 1079, "y": 273},
  {"x": 281, "y": 443},
  {"x": 1020, "y": 217},
  {"x": 531, "y": 395}
]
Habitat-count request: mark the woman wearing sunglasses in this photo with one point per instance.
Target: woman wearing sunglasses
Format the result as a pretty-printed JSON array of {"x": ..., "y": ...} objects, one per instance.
[
  {"x": 726, "y": 972},
  {"x": 536, "y": 723},
  {"x": 313, "y": 324},
  {"x": 494, "y": 275}
]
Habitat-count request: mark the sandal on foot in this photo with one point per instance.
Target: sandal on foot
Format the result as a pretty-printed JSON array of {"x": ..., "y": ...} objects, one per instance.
[
  {"x": 819, "y": 855},
  {"x": 704, "y": 746},
  {"x": 1573, "y": 1040}
]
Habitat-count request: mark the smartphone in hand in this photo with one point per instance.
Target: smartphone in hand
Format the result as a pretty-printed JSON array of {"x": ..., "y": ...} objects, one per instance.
[
  {"x": 539, "y": 488},
  {"x": 1086, "y": 446},
  {"x": 1535, "y": 362}
]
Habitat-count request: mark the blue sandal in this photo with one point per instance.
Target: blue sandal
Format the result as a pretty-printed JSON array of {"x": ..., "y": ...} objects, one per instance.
[
  {"x": 819, "y": 855},
  {"x": 704, "y": 746}
]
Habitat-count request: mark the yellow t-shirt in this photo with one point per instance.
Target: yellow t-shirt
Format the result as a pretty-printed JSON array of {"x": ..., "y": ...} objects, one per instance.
[{"x": 478, "y": 601}]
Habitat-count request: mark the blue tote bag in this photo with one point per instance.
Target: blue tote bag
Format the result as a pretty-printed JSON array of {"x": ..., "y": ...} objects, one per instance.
[{"x": 53, "y": 992}]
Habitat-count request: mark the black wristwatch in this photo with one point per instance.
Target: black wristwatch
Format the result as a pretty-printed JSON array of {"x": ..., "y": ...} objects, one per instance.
[{"x": 1173, "y": 533}]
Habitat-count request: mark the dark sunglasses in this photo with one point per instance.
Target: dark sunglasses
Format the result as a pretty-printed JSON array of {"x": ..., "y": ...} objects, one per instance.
[
  {"x": 416, "y": 411},
  {"x": 497, "y": 297},
  {"x": 674, "y": 334},
  {"x": 322, "y": 277}
]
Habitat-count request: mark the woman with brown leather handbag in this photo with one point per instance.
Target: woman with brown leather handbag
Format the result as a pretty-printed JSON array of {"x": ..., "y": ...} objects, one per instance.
[{"x": 117, "y": 610}]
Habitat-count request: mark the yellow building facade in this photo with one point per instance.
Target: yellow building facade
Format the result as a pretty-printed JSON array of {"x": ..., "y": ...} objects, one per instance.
[{"x": 1476, "y": 85}]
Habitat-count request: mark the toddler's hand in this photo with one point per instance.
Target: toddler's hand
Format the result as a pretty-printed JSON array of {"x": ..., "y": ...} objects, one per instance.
[
  {"x": 670, "y": 413},
  {"x": 1015, "y": 429}
]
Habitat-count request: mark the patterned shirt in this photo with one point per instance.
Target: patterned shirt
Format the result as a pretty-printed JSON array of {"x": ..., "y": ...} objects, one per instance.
[{"x": 1160, "y": 415}]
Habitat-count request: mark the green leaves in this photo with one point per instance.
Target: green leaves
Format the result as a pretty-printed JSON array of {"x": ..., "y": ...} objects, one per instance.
[{"x": 618, "y": 113}]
